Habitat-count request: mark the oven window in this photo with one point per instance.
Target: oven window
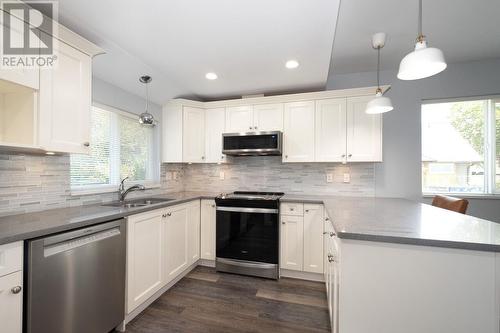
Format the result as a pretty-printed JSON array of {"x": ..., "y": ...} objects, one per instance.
[
  {"x": 248, "y": 236},
  {"x": 251, "y": 142}
]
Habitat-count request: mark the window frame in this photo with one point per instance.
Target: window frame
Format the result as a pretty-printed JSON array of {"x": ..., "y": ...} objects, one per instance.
[
  {"x": 490, "y": 190},
  {"x": 155, "y": 182}
]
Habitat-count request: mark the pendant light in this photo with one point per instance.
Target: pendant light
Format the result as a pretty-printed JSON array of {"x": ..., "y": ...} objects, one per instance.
[
  {"x": 146, "y": 118},
  {"x": 424, "y": 61},
  {"x": 380, "y": 103}
]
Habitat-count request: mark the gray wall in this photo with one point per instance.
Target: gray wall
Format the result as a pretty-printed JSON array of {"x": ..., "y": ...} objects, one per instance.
[{"x": 400, "y": 173}]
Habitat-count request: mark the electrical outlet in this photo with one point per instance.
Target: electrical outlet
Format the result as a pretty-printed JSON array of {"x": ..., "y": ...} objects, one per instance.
[
  {"x": 222, "y": 175},
  {"x": 169, "y": 175},
  {"x": 329, "y": 177},
  {"x": 347, "y": 177},
  {"x": 175, "y": 175}
]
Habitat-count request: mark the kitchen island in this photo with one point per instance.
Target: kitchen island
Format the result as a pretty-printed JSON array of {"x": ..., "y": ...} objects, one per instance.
[{"x": 394, "y": 265}]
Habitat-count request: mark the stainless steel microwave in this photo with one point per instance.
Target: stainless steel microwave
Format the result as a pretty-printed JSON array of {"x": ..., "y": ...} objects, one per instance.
[{"x": 252, "y": 143}]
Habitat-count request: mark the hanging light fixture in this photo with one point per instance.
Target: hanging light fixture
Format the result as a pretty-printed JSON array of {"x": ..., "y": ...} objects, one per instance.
[
  {"x": 380, "y": 103},
  {"x": 424, "y": 61},
  {"x": 146, "y": 118}
]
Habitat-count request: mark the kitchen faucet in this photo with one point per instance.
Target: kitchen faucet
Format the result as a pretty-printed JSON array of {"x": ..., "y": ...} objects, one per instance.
[{"x": 122, "y": 192}]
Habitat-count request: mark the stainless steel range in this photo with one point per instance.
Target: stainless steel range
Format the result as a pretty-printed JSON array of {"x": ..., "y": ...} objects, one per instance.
[{"x": 247, "y": 230}]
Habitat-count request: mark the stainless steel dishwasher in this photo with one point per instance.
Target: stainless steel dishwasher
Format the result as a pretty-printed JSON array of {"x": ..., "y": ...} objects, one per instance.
[{"x": 76, "y": 280}]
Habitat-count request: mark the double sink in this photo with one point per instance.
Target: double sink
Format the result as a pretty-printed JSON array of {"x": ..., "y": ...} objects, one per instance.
[{"x": 143, "y": 202}]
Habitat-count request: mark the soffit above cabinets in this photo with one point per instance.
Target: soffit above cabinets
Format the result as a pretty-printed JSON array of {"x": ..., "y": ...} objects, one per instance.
[{"x": 246, "y": 43}]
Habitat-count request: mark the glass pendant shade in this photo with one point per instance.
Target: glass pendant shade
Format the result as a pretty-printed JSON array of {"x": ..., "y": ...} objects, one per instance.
[
  {"x": 421, "y": 63},
  {"x": 379, "y": 104},
  {"x": 146, "y": 118}
]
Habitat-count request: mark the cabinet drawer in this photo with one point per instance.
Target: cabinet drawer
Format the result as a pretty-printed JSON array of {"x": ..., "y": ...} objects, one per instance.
[
  {"x": 11, "y": 258},
  {"x": 296, "y": 209}
]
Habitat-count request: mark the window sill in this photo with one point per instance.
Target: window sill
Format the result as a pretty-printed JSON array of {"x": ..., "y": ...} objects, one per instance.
[
  {"x": 465, "y": 195},
  {"x": 104, "y": 189}
]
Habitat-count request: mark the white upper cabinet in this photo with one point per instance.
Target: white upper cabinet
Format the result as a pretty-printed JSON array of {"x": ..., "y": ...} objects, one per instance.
[
  {"x": 193, "y": 135},
  {"x": 65, "y": 100},
  {"x": 331, "y": 122},
  {"x": 28, "y": 77},
  {"x": 364, "y": 132},
  {"x": 239, "y": 119},
  {"x": 298, "y": 132},
  {"x": 268, "y": 117},
  {"x": 214, "y": 127}
]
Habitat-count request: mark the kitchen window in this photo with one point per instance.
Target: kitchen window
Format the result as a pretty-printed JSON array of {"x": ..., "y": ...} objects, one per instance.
[
  {"x": 120, "y": 147},
  {"x": 461, "y": 146}
]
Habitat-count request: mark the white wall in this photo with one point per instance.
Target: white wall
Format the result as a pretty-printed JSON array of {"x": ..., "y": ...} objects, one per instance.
[
  {"x": 108, "y": 94},
  {"x": 400, "y": 173}
]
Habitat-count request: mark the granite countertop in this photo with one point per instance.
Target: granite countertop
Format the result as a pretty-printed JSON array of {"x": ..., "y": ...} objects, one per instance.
[
  {"x": 395, "y": 220},
  {"x": 37, "y": 224}
]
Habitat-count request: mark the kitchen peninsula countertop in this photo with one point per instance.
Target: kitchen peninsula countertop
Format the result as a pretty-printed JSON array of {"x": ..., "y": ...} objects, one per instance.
[
  {"x": 389, "y": 220},
  {"x": 395, "y": 220}
]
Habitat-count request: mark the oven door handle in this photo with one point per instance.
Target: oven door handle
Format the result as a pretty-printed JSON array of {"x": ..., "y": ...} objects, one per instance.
[{"x": 248, "y": 210}]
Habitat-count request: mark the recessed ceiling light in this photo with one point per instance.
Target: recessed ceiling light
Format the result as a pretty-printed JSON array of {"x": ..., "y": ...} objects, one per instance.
[
  {"x": 50, "y": 153},
  {"x": 211, "y": 76},
  {"x": 292, "y": 64}
]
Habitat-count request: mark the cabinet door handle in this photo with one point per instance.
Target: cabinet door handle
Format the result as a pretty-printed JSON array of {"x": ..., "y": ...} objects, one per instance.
[
  {"x": 86, "y": 144},
  {"x": 16, "y": 289}
]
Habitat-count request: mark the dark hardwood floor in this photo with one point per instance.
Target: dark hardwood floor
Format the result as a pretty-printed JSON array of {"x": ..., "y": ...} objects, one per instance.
[{"x": 206, "y": 301}]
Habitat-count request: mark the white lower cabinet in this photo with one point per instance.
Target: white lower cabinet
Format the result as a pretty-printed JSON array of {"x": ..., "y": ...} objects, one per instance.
[
  {"x": 302, "y": 237},
  {"x": 161, "y": 244},
  {"x": 176, "y": 241},
  {"x": 313, "y": 238},
  {"x": 292, "y": 244},
  {"x": 208, "y": 214},
  {"x": 193, "y": 220},
  {"x": 11, "y": 287},
  {"x": 145, "y": 261}
]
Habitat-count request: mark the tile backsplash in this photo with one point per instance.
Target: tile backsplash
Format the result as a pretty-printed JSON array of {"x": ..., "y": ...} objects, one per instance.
[
  {"x": 37, "y": 182},
  {"x": 261, "y": 173}
]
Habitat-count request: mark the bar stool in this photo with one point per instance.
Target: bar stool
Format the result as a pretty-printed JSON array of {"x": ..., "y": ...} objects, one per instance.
[{"x": 450, "y": 203}]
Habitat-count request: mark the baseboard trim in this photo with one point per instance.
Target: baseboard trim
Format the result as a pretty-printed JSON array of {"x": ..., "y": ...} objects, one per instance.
[
  {"x": 302, "y": 275},
  {"x": 206, "y": 263}
]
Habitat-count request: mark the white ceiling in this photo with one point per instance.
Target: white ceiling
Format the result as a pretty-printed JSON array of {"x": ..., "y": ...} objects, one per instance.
[
  {"x": 465, "y": 30},
  {"x": 246, "y": 42}
]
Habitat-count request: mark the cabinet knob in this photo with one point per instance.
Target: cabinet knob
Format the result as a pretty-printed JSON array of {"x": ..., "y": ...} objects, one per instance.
[
  {"x": 213, "y": 206},
  {"x": 331, "y": 258},
  {"x": 250, "y": 127},
  {"x": 203, "y": 157},
  {"x": 86, "y": 144},
  {"x": 327, "y": 219},
  {"x": 292, "y": 209},
  {"x": 343, "y": 155},
  {"x": 350, "y": 155},
  {"x": 332, "y": 234},
  {"x": 307, "y": 210},
  {"x": 169, "y": 214},
  {"x": 222, "y": 157},
  {"x": 325, "y": 232},
  {"x": 164, "y": 215},
  {"x": 283, "y": 222},
  {"x": 255, "y": 127},
  {"x": 286, "y": 156},
  {"x": 16, "y": 289}
]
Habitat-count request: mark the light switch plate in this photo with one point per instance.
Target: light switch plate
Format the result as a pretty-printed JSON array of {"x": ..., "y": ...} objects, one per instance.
[
  {"x": 222, "y": 175},
  {"x": 329, "y": 177},
  {"x": 347, "y": 177}
]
